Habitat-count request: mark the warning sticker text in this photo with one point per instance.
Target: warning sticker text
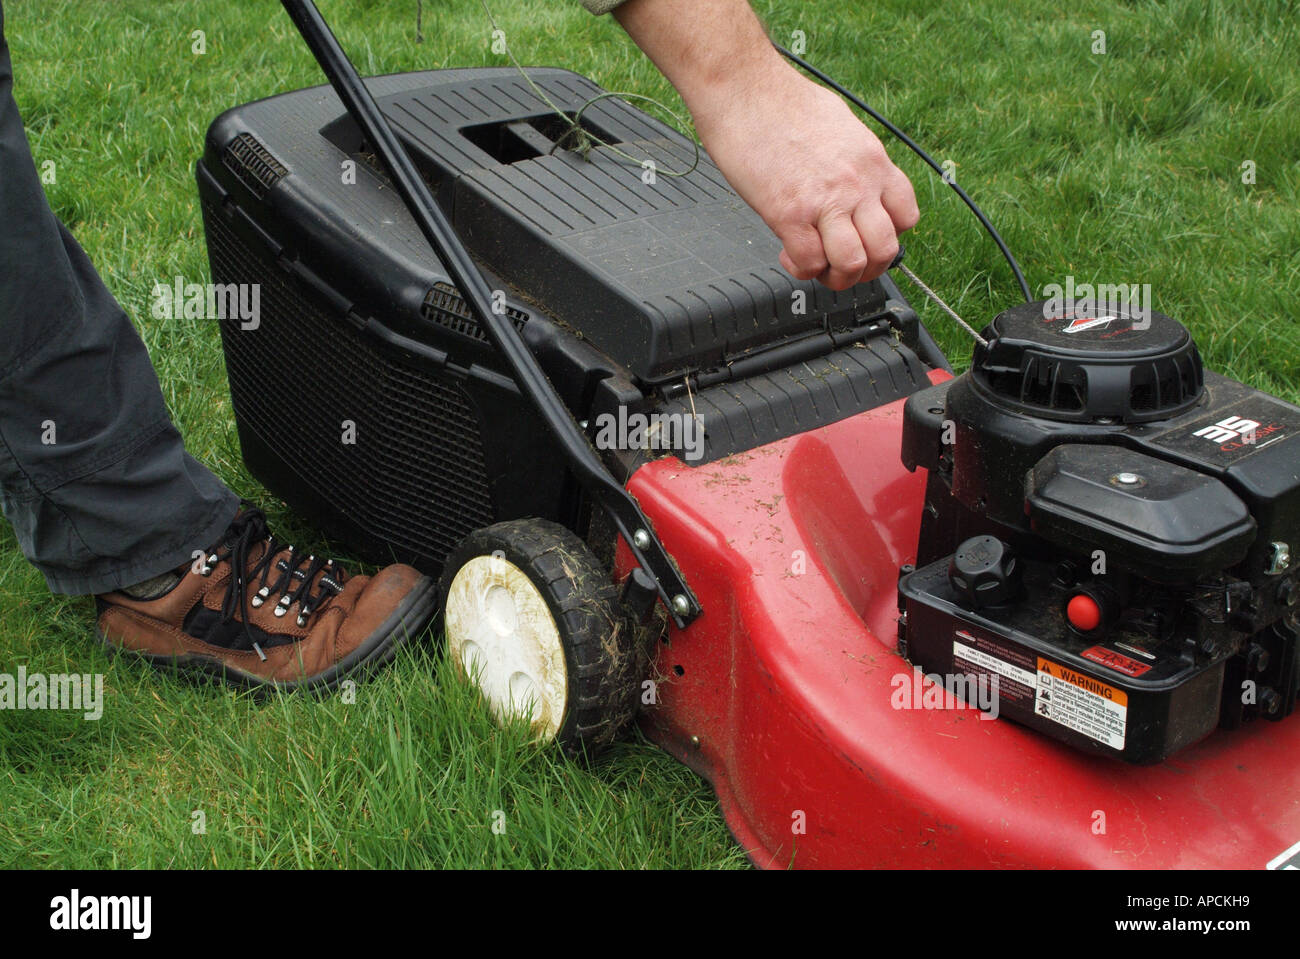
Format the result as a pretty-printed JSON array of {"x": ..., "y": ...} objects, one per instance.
[{"x": 1081, "y": 703}]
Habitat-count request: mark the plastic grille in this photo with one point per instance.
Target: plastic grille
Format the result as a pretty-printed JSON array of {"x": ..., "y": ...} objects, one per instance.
[
  {"x": 445, "y": 306},
  {"x": 415, "y": 476},
  {"x": 253, "y": 163}
]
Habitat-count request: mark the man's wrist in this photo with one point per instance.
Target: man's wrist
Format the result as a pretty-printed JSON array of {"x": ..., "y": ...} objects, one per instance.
[{"x": 730, "y": 92}]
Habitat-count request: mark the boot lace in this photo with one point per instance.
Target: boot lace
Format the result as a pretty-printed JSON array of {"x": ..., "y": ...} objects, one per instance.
[{"x": 294, "y": 574}]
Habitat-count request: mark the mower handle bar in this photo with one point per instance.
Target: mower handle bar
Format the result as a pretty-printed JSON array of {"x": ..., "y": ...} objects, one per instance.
[{"x": 595, "y": 478}]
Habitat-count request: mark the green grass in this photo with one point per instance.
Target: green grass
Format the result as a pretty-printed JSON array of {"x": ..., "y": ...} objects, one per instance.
[{"x": 1123, "y": 167}]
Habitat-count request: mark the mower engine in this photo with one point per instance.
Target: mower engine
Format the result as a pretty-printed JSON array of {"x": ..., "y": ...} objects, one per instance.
[{"x": 1108, "y": 534}]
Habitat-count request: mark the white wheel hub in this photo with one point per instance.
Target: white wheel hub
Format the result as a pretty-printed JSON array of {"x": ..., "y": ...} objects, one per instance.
[{"x": 502, "y": 636}]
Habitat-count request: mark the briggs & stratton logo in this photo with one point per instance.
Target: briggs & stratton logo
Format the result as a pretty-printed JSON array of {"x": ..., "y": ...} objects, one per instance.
[
  {"x": 1081, "y": 323},
  {"x": 1090, "y": 307}
]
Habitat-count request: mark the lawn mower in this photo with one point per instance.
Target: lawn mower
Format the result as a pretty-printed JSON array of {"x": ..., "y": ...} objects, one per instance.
[{"x": 661, "y": 479}]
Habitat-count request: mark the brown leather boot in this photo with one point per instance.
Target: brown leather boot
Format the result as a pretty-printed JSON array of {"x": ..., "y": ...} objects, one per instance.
[{"x": 262, "y": 615}]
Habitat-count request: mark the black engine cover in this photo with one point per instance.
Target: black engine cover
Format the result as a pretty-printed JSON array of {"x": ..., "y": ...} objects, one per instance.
[
  {"x": 1246, "y": 439},
  {"x": 1160, "y": 520},
  {"x": 1161, "y": 498}
]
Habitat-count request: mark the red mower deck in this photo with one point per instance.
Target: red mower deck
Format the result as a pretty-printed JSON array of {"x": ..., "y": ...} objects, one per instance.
[{"x": 780, "y": 695}]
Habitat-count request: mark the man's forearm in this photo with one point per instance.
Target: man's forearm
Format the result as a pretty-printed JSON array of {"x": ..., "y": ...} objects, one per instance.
[{"x": 708, "y": 49}]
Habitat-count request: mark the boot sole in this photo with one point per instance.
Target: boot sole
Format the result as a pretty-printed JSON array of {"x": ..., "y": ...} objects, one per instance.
[{"x": 410, "y": 616}]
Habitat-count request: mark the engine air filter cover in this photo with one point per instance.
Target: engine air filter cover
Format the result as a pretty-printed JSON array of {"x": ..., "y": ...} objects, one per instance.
[{"x": 1086, "y": 364}]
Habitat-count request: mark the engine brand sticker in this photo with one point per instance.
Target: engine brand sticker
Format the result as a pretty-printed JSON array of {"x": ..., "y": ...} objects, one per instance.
[
  {"x": 1116, "y": 661},
  {"x": 1288, "y": 860},
  {"x": 1081, "y": 703},
  {"x": 1227, "y": 435},
  {"x": 980, "y": 656}
]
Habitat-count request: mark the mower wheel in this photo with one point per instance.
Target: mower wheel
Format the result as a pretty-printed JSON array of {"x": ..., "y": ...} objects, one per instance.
[{"x": 535, "y": 623}]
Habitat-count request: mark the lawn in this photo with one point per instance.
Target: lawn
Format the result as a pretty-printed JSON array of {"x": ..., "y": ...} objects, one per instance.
[{"x": 1173, "y": 158}]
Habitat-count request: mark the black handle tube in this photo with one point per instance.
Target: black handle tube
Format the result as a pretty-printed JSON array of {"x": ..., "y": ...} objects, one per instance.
[{"x": 533, "y": 383}]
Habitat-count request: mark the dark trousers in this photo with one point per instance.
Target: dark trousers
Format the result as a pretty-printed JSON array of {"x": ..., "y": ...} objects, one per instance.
[{"x": 93, "y": 475}]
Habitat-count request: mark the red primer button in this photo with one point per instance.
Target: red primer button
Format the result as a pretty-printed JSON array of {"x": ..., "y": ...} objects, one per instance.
[{"x": 1083, "y": 613}]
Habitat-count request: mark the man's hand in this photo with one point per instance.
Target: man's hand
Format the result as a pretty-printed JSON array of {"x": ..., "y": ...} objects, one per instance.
[
  {"x": 819, "y": 178},
  {"x": 792, "y": 149}
]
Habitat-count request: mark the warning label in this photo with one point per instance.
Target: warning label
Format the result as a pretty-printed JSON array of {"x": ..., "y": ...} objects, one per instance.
[
  {"x": 1081, "y": 703},
  {"x": 981, "y": 656}
]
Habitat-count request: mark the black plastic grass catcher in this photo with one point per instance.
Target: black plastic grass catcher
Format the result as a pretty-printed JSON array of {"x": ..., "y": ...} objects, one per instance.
[{"x": 560, "y": 286}]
